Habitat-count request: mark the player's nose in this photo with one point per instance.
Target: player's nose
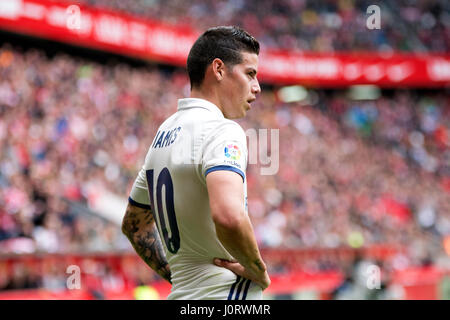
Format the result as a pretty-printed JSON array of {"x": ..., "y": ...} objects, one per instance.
[{"x": 256, "y": 88}]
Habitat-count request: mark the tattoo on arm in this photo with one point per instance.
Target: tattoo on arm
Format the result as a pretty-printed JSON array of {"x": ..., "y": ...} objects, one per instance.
[{"x": 140, "y": 228}]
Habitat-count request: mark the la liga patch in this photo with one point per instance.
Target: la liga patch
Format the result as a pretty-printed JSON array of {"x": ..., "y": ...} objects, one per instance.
[{"x": 232, "y": 152}]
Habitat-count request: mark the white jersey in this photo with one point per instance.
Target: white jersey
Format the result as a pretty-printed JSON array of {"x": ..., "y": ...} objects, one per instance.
[{"x": 191, "y": 143}]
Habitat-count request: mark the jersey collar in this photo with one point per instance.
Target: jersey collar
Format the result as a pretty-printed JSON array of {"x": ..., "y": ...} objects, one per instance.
[{"x": 187, "y": 103}]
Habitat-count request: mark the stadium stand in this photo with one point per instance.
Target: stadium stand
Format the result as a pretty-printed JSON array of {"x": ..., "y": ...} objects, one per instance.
[
  {"x": 320, "y": 26},
  {"x": 354, "y": 173}
]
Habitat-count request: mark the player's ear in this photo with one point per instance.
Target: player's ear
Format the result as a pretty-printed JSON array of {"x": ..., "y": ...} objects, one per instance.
[{"x": 218, "y": 68}]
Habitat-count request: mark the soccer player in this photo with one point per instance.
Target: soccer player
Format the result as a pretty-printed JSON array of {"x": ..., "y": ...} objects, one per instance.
[{"x": 187, "y": 213}]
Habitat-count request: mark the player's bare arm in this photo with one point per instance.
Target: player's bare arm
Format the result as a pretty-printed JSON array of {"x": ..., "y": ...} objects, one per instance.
[
  {"x": 234, "y": 228},
  {"x": 140, "y": 228}
]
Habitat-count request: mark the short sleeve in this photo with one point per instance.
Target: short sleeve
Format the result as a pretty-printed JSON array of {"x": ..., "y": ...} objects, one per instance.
[
  {"x": 139, "y": 191},
  {"x": 225, "y": 149}
]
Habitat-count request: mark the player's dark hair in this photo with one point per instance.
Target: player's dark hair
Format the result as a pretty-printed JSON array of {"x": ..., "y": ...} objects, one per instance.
[{"x": 225, "y": 43}]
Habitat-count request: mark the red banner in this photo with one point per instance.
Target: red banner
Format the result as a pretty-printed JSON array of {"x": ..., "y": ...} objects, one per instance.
[
  {"x": 343, "y": 69},
  {"x": 98, "y": 28},
  {"x": 124, "y": 34}
]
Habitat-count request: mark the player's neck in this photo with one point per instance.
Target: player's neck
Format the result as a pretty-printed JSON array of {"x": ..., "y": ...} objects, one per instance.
[{"x": 209, "y": 96}]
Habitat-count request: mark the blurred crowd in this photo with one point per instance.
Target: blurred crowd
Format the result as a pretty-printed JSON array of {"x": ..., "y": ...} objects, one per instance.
[
  {"x": 351, "y": 172},
  {"x": 324, "y": 26},
  {"x": 355, "y": 172},
  {"x": 98, "y": 275}
]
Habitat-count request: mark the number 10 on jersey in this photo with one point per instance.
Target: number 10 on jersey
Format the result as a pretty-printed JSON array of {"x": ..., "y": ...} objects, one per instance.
[{"x": 164, "y": 179}]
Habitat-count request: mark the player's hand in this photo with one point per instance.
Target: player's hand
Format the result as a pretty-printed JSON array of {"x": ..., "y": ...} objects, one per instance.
[{"x": 261, "y": 279}]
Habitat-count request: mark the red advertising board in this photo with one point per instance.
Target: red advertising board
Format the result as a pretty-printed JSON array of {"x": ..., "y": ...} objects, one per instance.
[
  {"x": 128, "y": 35},
  {"x": 98, "y": 28},
  {"x": 343, "y": 69}
]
